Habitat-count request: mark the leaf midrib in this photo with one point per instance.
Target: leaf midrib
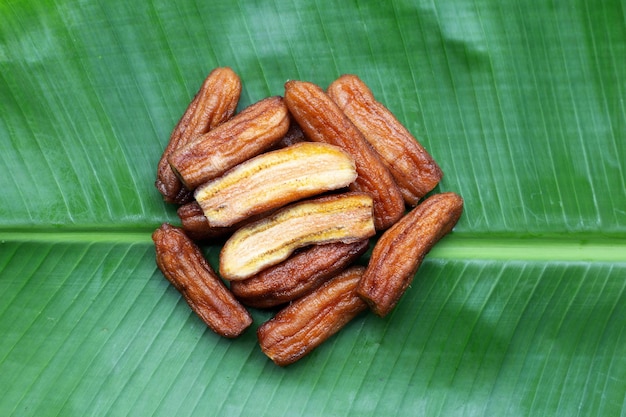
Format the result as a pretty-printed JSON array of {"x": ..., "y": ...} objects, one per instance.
[{"x": 555, "y": 248}]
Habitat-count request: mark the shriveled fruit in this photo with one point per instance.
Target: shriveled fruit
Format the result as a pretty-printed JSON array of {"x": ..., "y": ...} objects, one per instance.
[
  {"x": 215, "y": 103},
  {"x": 245, "y": 135},
  {"x": 343, "y": 217},
  {"x": 298, "y": 275},
  {"x": 306, "y": 323},
  {"x": 322, "y": 120},
  {"x": 274, "y": 179},
  {"x": 183, "y": 264},
  {"x": 412, "y": 167},
  {"x": 401, "y": 249}
]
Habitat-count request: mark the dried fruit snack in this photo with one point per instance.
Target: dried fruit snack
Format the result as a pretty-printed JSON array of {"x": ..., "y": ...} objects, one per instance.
[
  {"x": 215, "y": 103},
  {"x": 274, "y": 179},
  {"x": 255, "y": 179},
  {"x": 411, "y": 166},
  {"x": 322, "y": 121},
  {"x": 343, "y": 218},
  {"x": 247, "y": 134},
  {"x": 401, "y": 249},
  {"x": 183, "y": 264},
  {"x": 298, "y": 275},
  {"x": 303, "y": 325}
]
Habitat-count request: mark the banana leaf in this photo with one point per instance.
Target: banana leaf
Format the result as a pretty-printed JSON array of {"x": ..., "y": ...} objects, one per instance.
[{"x": 521, "y": 310}]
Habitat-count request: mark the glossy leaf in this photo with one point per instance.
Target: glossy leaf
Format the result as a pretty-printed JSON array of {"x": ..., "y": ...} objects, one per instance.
[{"x": 520, "y": 311}]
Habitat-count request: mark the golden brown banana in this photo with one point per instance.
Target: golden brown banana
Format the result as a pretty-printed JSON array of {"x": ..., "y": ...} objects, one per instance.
[
  {"x": 322, "y": 120},
  {"x": 412, "y": 167},
  {"x": 183, "y": 264},
  {"x": 298, "y": 275},
  {"x": 309, "y": 321},
  {"x": 401, "y": 249},
  {"x": 215, "y": 102},
  {"x": 336, "y": 218},
  {"x": 274, "y": 179},
  {"x": 247, "y": 134}
]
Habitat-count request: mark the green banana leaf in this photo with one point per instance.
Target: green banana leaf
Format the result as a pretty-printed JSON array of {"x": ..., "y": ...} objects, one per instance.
[{"x": 521, "y": 310}]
